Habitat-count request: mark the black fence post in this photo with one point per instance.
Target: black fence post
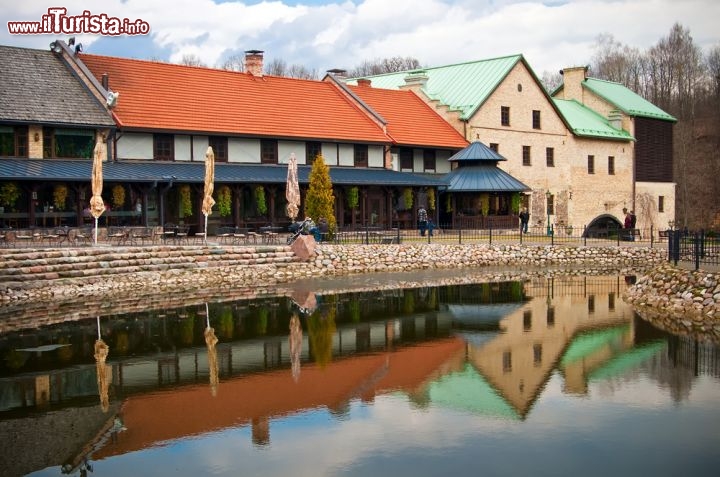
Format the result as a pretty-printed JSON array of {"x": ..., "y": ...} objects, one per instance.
[
  {"x": 460, "y": 236},
  {"x": 490, "y": 234},
  {"x": 367, "y": 234},
  {"x": 552, "y": 234},
  {"x": 696, "y": 249},
  {"x": 398, "y": 234},
  {"x": 652, "y": 235},
  {"x": 521, "y": 234},
  {"x": 674, "y": 245},
  {"x": 585, "y": 234}
]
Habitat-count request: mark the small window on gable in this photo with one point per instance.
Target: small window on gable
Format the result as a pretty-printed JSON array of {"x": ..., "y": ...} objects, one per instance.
[
  {"x": 661, "y": 203},
  {"x": 611, "y": 165},
  {"x": 505, "y": 115},
  {"x": 591, "y": 164},
  {"x": 536, "y": 119}
]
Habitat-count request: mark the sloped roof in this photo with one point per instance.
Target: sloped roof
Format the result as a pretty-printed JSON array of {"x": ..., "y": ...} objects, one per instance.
[
  {"x": 484, "y": 178},
  {"x": 476, "y": 151},
  {"x": 162, "y": 96},
  {"x": 463, "y": 87},
  {"x": 184, "y": 172},
  {"x": 625, "y": 99},
  {"x": 410, "y": 121},
  {"x": 36, "y": 87},
  {"x": 587, "y": 123}
]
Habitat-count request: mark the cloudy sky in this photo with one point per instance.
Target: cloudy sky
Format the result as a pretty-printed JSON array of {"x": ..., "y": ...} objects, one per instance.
[{"x": 325, "y": 34}]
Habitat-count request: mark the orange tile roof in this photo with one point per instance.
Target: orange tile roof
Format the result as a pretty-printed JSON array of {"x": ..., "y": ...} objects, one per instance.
[
  {"x": 178, "y": 98},
  {"x": 410, "y": 120}
]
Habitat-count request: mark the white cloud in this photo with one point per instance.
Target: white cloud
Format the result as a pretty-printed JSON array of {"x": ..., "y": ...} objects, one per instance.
[{"x": 329, "y": 34}]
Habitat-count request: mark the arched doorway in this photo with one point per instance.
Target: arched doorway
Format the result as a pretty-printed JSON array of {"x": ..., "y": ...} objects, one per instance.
[{"x": 602, "y": 226}]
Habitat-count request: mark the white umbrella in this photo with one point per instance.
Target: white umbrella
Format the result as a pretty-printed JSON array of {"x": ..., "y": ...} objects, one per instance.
[
  {"x": 208, "y": 200},
  {"x": 97, "y": 206},
  {"x": 292, "y": 188}
]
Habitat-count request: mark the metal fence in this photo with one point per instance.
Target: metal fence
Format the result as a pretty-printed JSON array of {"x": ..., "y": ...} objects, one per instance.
[{"x": 698, "y": 248}]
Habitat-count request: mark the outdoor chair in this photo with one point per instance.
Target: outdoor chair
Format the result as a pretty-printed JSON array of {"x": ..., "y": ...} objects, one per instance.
[{"x": 181, "y": 235}]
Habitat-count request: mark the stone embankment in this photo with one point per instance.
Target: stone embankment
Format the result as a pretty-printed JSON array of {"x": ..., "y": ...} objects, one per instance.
[
  {"x": 679, "y": 301},
  {"x": 105, "y": 271}
]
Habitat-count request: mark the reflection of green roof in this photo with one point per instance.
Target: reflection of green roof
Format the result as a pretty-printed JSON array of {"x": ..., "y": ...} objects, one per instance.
[
  {"x": 468, "y": 391},
  {"x": 588, "y": 343},
  {"x": 626, "y": 361},
  {"x": 624, "y": 98},
  {"x": 461, "y": 87},
  {"x": 587, "y": 123}
]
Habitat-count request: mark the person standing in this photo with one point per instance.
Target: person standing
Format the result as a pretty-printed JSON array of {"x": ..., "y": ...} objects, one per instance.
[
  {"x": 422, "y": 220},
  {"x": 524, "y": 219}
]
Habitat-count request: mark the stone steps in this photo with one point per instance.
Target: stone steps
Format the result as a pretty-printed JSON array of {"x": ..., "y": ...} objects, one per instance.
[{"x": 28, "y": 266}]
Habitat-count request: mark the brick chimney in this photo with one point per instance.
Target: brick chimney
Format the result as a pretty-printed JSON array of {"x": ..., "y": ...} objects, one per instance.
[
  {"x": 254, "y": 62},
  {"x": 573, "y": 78},
  {"x": 364, "y": 82}
]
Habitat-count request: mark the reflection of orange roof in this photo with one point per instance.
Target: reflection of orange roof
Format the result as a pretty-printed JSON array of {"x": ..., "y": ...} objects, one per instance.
[
  {"x": 177, "y": 98},
  {"x": 153, "y": 418},
  {"x": 410, "y": 120}
]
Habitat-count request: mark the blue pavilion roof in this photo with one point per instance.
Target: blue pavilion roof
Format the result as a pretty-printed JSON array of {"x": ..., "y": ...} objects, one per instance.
[
  {"x": 483, "y": 177},
  {"x": 477, "y": 151}
]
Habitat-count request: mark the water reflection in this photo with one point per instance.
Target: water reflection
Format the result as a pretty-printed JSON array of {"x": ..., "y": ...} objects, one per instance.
[{"x": 486, "y": 351}]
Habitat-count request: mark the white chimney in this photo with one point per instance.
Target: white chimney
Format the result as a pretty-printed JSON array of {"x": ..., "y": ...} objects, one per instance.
[{"x": 254, "y": 62}]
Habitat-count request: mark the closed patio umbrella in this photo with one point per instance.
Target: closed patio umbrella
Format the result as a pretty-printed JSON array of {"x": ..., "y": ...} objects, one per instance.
[
  {"x": 101, "y": 354},
  {"x": 295, "y": 346},
  {"x": 292, "y": 189},
  {"x": 208, "y": 200},
  {"x": 211, "y": 340},
  {"x": 97, "y": 206}
]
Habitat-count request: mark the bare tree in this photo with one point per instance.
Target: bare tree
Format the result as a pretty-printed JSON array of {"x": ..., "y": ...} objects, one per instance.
[
  {"x": 385, "y": 65},
  {"x": 190, "y": 59},
  {"x": 551, "y": 80},
  {"x": 279, "y": 67},
  {"x": 234, "y": 63}
]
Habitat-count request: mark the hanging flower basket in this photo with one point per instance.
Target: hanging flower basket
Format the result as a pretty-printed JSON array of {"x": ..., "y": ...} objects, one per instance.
[
  {"x": 60, "y": 196},
  {"x": 118, "y": 196},
  {"x": 260, "y": 200},
  {"x": 9, "y": 194},
  {"x": 185, "y": 201},
  {"x": 224, "y": 201}
]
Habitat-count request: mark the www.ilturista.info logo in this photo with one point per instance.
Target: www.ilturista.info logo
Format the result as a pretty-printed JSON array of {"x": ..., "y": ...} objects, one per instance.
[{"x": 57, "y": 21}]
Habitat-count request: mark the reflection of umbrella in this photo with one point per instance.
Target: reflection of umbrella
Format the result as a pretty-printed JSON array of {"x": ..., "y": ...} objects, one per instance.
[
  {"x": 305, "y": 300},
  {"x": 211, "y": 340},
  {"x": 97, "y": 206},
  {"x": 101, "y": 353},
  {"x": 295, "y": 345},
  {"x": 292, "y": 188},
  {"x": 208, "y": 200}
]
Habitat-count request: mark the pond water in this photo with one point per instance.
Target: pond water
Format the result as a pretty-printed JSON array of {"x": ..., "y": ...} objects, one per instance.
[{"x": 543, "y": 377}]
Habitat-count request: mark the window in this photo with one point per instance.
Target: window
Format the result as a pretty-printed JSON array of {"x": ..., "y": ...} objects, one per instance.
[
  {"x": 74, "y": 143},
  {"x": 550, "y": 156},
  {"x": 550, "y": 204},
  {"x": 505, "y": 115},
  {"x": 611, "y": 165},
  {"x": 661, "y": 203},
  {"x": 536, "y": 119},
  {"x": 507, "y": 361},
  {"x": 14, "y": 141},
  {"x": 361, "y": 155},
  {"x": 219, "y": 146},
  {"x": 163, "y": 147},
  {"x": 429, "y": 160},
  {"x": 527, "y": 320},
  {"x": 406, "y": 159},
  {"x": 591, "y": 164},
  {"x": 550, "y": 317},
  {"x": 313, "y": 149},
  {"x": 268, "y": 151},
  {"x": 495, "y": 146},
  {"x": 537, "y": 354},
  {"x": 526, "y": 155}
]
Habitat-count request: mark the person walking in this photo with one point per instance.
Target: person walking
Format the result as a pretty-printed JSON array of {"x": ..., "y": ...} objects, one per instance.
[
  {"x": 422, "y": 220},
  {"x": 524, "y": 219}
]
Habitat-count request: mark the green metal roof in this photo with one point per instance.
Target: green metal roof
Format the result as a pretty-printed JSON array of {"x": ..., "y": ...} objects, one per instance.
[
  {"x": 625, "y": 99},
  {"x": 462, "y": 87},
  {"x": 468, "y": 391},
  {"x": 585, "y": 122}
]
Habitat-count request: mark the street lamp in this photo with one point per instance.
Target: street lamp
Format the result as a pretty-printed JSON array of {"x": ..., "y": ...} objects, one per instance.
[{"x": 548, "y": 195}]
